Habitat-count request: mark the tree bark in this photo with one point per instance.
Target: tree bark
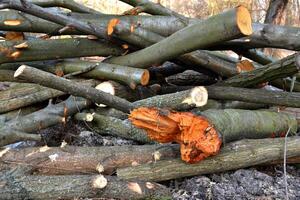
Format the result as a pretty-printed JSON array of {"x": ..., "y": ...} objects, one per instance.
[
  {"x": 234, "y": 124},
  {"x": 275, "y": 10},
  {"x": 152, "y": 8},
  {"x": 27, "y": 7},
  {"x": 106, "y": 125},
  {"x": 128, "y": 75},
  {"x": 280, "y": 69},
  {"x": 77, "y": 186},
  {"x": 184, "y": 41},
  {"x": 260, "y": 96},
  {"x": 87, "y": 160},
  {"x": 240, "y": 154},
  {"x": 69, "y": 4},
  {"x": 70, "y": 87},
  {"x": 13, "y": 131},
  {"x": 25, "y": 95},
  {"x": 55, "y": 49},
  {"x": 190, "y": 77},
  {"x": 177, "y": 101}
]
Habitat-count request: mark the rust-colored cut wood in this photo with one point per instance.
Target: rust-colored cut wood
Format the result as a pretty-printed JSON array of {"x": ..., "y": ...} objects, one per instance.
[{"x": 198, "y": 139}]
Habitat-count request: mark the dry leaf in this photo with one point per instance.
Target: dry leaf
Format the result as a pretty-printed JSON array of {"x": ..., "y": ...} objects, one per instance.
[
  {"x": 111, "y": 25},
  {"x": 12, "y": 22},
  {"x": 23, "y": 45},
  {"x": 14, "y": 36}
]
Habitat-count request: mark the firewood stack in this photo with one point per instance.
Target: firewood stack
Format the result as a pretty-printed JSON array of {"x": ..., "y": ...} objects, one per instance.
[{"x": 158, "y": 78}]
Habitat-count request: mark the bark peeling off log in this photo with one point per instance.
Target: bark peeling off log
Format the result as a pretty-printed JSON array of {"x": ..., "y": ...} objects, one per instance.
[{"x": 233, "y": 156}]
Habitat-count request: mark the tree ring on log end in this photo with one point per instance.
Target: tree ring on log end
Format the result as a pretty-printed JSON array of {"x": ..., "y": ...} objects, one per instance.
[
  {"x": 199, "y": 96},
  {"x": 243, "y": 19},
  {"x": 99, "y": 182},
  {"x": 106, "y": 87},
  {"x": 145, "y": 77}
]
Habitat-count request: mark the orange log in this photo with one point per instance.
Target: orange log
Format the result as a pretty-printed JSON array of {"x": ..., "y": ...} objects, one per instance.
[{"x": 197, "y": 137}]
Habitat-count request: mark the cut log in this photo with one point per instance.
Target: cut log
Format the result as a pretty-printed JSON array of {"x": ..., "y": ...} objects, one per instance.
[
  {"x": 86, "y": 160},
  {"x": 70, "y": 87},
  {"x": 181, "y": 100},
  {"x": 280, "y": 69},
  {"x": 260, "y": 96},
  {"x": 53, "y": 114},
  {"x": 80, "y": 186},
  {"x": 123, "y": 74},
  {"x": 201, "y": 136},
  {"x": 237, "y": 23},
  {"x": 240, "y": 154},
  {"x": 106, "y": 125},
  {"x": 55, "y": 49}
]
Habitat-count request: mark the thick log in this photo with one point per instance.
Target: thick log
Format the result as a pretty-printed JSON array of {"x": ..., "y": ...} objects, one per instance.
[
  {"x": 190, "y": 77},
  {"x": 86, "y": 160},
  {"x": 13, "y": 130},
  {"x": 106, "y": 125},
  {"x": 234, "y": 124},
  {"x": 55, "y": 49},
  {"x": 237, "y": 22},
  {"x": 240, "y": 154},
  {"x": 186, "y": 99},
  {"x": 77, "y": 186},
  {"x": 201, "y": 136},
  {"x": 276, "y": 70},
  {"x": 260, "y": 96},
  {"x": 69, "y": 4},
  {"x": 128, "y": 75},
  {"x": 70, "y": 87},
  {"x": 213, "y": 104}
]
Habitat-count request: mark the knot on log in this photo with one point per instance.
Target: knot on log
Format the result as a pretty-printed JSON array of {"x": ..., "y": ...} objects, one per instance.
[{"x": 197, "y": 137}]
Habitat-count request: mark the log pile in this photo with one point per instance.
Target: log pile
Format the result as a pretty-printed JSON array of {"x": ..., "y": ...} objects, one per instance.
[{"x": 158, "y": 78}]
